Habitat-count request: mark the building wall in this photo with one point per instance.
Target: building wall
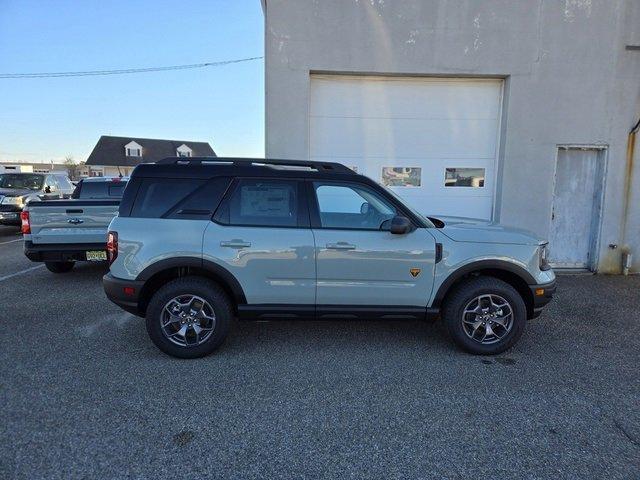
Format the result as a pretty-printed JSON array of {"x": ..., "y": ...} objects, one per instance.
[{"x": 568, "y": 80}]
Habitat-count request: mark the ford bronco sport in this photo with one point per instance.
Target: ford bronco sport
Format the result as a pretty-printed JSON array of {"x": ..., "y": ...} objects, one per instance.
[{"x": 200, "y": 241}]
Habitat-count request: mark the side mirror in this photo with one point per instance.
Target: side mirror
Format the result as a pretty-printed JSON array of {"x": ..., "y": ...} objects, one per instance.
[
  {"x": 364, "y": 208},
  {"x": 400, "y": 225}
]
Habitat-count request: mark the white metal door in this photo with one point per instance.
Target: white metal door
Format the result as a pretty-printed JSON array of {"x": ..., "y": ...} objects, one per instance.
[
  {"x": 433, "y": 140},
  {"x": 575, "y": 214}
]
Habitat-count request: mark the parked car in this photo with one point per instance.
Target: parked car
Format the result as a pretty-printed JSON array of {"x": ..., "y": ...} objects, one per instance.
[
  {"x": 19, "y": 189},
  {"x": 62, "y": 232},
  {"x": 198, "y": 241}
]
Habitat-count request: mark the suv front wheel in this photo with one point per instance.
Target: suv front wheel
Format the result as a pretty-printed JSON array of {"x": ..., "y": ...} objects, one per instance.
[
  {"x": 189, "y": 317},
  {"x": 485, "y": 315}
]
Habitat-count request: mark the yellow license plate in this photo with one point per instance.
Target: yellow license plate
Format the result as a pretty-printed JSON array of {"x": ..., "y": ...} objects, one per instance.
[{"x": 96, "y": 255}]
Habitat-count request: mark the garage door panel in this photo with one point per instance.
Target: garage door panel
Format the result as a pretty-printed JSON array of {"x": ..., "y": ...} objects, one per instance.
[
  {"x": 433, "y": 173},
  {"x": 432, "y": 124},
  {"x": 442, "y": 138},
  {"x": 419, "y": 98}
]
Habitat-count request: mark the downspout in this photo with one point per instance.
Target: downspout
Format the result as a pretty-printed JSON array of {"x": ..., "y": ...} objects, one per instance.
[{"x": 626, "y": 251}]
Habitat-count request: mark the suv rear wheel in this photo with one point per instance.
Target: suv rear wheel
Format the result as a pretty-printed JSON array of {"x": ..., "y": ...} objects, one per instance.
[
  {"x": 485, "y": 315},
  {"x": 189, "y": 317}
]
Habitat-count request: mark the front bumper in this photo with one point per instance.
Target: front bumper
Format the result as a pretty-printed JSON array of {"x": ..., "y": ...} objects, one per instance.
[
  {"x": 115, "y": 289},
  {"x": 542, "y": 295},
  {"x": 52, "y": 252}
]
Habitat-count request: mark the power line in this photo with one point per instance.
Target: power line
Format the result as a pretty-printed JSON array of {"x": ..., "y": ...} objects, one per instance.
[{"x": 125, "y": 70}]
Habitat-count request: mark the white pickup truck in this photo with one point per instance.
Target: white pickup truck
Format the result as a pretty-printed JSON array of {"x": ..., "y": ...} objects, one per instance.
[{"x": 62, "y": 232}]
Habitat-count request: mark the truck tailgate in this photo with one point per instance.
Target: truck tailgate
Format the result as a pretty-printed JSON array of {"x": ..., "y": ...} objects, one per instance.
[{"x": 71, "y": 221}]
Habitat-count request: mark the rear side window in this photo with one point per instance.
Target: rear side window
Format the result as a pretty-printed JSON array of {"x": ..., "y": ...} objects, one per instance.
[
  {"x": 104, "y": 190},
  {"x": 157, "y": 196},
  {"x": 180, "y": 198},
  {"x": 262, "y": 203}
]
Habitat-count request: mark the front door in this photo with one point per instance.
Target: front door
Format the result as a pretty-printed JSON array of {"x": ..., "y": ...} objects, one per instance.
[
  {"x": 575, "y": 214},
  {"x": 359, "y": 262}
]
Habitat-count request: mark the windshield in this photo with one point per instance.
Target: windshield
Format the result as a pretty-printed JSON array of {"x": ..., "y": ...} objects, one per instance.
[
  {"x": 407, "y": 206},
  {"x": 21, "y": 181}
]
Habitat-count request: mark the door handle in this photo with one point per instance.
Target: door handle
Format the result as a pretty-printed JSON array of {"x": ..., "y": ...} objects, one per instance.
[
  {"x": 235, "y": 244},
  {"x": 340, "y": 246},
  {"x": 75, "y": 221}
]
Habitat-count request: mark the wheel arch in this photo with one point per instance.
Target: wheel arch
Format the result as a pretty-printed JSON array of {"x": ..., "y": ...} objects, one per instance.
[
  {"x": 162, "y": 272},
  {"x": 510, "y": 273}
]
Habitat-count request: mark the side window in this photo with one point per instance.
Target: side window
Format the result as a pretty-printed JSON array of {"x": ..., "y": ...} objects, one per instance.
[
  {"x": 64, "y": 183},
  {"x": 51, "y": 183},
  {"x": 262, "y": 203},
  {"x": 157, "y": 196},
  {"x": 352, "y": 206}
]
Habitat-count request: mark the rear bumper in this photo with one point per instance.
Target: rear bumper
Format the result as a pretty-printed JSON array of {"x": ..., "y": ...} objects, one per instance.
[
  {"x": 114, "y": 288},
  {"x": 51, "y": 252},
  {"x": 10, "y": 217},
  {"x": 542, "y": 295}
]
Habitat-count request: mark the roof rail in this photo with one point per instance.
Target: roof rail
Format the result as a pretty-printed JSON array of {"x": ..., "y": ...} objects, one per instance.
[{"x": 326, "y": 167}]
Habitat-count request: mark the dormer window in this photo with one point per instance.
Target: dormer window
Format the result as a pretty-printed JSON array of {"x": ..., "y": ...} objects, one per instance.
[
  {"x": 133, "y": 149},
  {"x": 183, "y": 151}
]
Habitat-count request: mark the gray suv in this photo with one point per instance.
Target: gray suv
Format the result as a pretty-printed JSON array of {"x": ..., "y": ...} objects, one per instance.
[{"x": 198, "y": 242}]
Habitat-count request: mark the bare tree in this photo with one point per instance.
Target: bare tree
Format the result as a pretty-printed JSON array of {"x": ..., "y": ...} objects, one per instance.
[{"x": 73, "y": 168}]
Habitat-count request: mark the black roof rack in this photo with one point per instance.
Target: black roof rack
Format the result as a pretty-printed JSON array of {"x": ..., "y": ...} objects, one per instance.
[{"x": 324, "y": 167}]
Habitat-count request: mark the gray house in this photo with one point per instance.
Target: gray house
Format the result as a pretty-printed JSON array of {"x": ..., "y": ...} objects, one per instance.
[
  {"x": 517, "y": 112},
  {"x": 119, "y": 155}
]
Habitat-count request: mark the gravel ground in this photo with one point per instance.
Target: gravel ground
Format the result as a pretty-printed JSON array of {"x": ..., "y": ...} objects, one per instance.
[{"x": 85, "y": 394}]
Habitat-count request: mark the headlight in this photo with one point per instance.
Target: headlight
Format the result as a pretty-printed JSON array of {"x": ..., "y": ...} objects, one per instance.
[
  {"x": 544, "y": 257},
  {"x": 19, "y": 201}
]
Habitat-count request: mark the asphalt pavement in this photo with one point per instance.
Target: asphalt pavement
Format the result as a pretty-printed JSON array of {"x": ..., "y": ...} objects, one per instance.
[{"x": 85, "y": 394}]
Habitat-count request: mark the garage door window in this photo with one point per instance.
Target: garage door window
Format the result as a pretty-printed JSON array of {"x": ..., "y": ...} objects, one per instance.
[
  {"x": 464, "y": 177},
  {"x": 401, "y": 176}
]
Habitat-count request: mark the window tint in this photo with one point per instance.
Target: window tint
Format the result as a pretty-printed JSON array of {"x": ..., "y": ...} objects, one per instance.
[
  {"x": 352, "y": 206},
  {"x": 264, "y": 203},
  {"x": 157, "y": 196},
  {"x": 202, "y": 202}
]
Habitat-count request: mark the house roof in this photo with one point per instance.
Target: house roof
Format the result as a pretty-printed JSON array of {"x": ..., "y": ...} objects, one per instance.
[{"x": 109, "y": 151}]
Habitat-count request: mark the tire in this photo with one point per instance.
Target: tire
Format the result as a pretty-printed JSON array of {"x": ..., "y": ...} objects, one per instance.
[
  {"x": 214, "y": 317},
  {"x": 59, "y": 267},
  {"x": 469, "y": 333}
]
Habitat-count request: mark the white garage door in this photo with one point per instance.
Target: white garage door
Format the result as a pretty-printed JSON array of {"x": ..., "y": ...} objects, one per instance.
[{"x": 432, "y": 140}]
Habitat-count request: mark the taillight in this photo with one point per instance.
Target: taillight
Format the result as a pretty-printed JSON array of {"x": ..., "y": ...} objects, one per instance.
[
  {"x": 112, "y": 246},
  {"x": 25, "y": 225}
]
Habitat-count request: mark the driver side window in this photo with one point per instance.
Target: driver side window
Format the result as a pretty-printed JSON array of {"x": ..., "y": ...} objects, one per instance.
[{"x": 352, "y": 206}]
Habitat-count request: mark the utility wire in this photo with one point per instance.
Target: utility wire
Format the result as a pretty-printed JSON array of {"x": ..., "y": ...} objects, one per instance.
[{"x": 125, "y": 70}]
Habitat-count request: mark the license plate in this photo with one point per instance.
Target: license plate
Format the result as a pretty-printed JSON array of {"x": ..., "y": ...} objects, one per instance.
[{"x": 96, "y": 255}]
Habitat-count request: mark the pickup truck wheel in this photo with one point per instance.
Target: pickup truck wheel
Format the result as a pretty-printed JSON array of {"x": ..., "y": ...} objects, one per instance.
[
  {"x": 189, "y": 317},
  {"x": 485, "y": 315},
  {"x": 59, "y": 267}
]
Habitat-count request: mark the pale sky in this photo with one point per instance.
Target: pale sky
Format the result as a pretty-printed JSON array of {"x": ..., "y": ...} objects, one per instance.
[{"x": 49, "y": 118}]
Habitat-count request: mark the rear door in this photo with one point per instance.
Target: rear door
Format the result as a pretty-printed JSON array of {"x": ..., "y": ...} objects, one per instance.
[
  {"x": 359, "y": 262},
  {"x": 261, "y": 235}
]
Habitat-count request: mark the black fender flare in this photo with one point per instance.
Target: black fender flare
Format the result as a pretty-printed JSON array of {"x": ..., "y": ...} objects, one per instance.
[
  {"x": 216, "y": 271},
  {"x": 503, "y": 265}
]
